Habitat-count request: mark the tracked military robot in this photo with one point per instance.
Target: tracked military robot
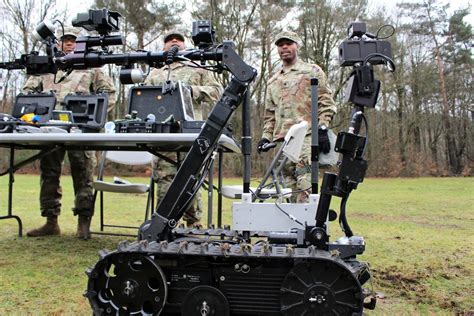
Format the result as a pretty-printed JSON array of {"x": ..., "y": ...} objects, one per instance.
[{"x": 290, "y": 270}]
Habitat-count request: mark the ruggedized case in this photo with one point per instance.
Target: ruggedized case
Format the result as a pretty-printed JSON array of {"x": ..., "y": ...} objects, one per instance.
[
  {"x": 176, "y": 102},
  {"x": 89, "y": 111},
  {"x": 39, "y": 104}
]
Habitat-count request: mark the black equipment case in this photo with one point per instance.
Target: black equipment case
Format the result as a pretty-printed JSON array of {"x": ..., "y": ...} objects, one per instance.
[
  {"x": 158, "y": 109},
  {"x": 176, "y": 102},
  {"x": 39, "y": 104},
  {"x": 88, "y": 111}
]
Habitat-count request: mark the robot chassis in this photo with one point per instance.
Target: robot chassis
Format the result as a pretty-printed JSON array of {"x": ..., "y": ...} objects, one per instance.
[{"x": 172, "y": 270}]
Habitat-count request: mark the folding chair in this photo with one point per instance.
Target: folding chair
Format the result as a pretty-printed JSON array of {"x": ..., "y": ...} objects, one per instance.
[
  {"x": 131, "y": 158},
  {"x": 289, "y": 150}
]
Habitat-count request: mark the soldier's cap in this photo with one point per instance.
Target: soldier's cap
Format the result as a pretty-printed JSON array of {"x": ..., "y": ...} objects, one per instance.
[
  {"x": 68, "y": 31},
  {"x": 173, "y": 33},
  {"x": 287, "y": 35}
]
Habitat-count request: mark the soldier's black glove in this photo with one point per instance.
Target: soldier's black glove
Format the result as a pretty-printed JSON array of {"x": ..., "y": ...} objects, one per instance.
[
  {"x": 323, "y": 140},
  {"x": 261, "y": 145}
]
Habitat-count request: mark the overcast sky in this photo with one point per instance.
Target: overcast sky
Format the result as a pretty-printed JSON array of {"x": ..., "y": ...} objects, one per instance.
[
  {"x": 76, "y": 6},
  {"x": 454, "y": 5}
]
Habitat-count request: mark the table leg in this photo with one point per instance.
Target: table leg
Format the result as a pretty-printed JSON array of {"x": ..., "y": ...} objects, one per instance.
[{"x": 11, "y": 179}]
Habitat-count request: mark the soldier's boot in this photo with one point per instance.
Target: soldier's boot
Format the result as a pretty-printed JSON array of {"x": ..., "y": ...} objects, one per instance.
[
  {"x": 83, "y": 227},
  {"x": 50, "y": 228}
]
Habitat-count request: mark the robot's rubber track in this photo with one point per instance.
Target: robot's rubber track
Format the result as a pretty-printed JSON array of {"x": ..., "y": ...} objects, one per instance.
[{"x": 191, "y": 276}]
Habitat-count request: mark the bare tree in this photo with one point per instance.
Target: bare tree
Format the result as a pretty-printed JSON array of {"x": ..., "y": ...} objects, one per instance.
[
  {"x": 433, "y": 24},
  {"x": 147, "y": 20},
  {"x": 19, "y": 20},
  {"x": 26, "y": 15}
]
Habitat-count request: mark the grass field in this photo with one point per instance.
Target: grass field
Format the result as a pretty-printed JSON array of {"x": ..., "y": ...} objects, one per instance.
[{"x": 419, "y": 235}]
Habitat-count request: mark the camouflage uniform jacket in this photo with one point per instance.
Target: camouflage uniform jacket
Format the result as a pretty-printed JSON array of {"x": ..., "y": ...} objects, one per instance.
[
  {"x": 289, "y": 99},
  {"x": 204, "y": 87},
  {"x": 82, "y": 81}
]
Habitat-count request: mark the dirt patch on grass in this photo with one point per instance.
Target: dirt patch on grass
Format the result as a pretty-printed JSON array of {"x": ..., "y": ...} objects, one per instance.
[
  {"x": 407, "y": 286},
  {"x": 413, "y": 286},
  {"x": 405, "y": 283},
  {"x": 429, "y": 223}
]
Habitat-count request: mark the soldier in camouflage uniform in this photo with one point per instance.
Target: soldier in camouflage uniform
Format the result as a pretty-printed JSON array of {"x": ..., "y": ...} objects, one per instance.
[
  {"x": 205, "y": 89},
  {"x": 82, "y": 162},
  {"x": 289, "y": 102}
]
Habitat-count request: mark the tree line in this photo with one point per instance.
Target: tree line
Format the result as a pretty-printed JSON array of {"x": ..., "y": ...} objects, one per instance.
[{"x": 423, "y": 121}]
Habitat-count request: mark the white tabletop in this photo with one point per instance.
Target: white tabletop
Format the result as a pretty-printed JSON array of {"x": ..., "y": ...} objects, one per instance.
[{"x": 119, "y": 141}]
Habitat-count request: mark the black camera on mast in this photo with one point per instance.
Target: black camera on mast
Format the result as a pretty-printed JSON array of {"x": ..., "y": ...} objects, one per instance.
[
  {"x": 361, "y": 44},
  {"x": 203, "y": 35},
  {"x": 363, "y": 50},
  {"x": 102, "y": 21}
]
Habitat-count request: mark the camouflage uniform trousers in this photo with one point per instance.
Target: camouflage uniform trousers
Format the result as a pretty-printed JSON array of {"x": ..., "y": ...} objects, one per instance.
[
  {"x": 82, "y": 170},
  {"x": 297, "y": 176},
  {"x": 163, "y": 174}
]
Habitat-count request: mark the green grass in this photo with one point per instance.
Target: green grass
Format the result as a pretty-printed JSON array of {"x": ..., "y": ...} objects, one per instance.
[{"x": 419, "y": 235}]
